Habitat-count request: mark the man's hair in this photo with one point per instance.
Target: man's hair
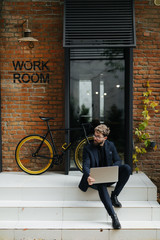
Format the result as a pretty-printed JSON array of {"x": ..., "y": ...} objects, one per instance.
[{"x": 102, "y": 128}]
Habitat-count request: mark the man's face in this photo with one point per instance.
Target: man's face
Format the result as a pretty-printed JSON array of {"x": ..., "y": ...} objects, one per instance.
[{"x": 99, "y": 138}]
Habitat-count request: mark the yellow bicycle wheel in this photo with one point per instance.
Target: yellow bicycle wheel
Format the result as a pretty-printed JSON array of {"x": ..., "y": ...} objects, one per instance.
[
  {"x": 79, "y": 153},
  {"x": 26, "y": 156}
]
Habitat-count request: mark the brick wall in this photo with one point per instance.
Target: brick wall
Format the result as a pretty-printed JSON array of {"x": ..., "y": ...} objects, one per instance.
[
  {"x": 32, "y": 79},
  {"x": 147, "y": 67}
]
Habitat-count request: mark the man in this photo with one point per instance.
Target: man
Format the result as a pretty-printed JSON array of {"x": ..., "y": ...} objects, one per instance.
[{"x": 103, "y": 153}]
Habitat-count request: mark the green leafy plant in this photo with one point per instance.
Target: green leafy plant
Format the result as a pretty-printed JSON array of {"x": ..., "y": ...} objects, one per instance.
[{"x": 141, "y": 134}]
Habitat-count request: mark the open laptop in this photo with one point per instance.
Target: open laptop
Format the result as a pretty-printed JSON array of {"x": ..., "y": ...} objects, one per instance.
[{"x": 104, "y": 174}]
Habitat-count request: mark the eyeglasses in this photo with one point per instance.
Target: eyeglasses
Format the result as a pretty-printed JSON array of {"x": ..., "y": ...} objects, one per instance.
[{"x": 98, "y": 137}]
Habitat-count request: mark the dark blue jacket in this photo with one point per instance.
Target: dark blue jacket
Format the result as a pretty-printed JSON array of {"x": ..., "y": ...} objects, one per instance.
[{"x": 91, "y": 159}]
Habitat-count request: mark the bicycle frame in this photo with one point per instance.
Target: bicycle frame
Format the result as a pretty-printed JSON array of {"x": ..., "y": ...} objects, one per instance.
[{"x": 64, "y": 147}]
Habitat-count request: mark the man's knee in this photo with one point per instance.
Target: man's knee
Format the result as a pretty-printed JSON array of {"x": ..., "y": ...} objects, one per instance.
[
  {"x": 125, "y": 169},
  {"x": 101, "y": 187}
]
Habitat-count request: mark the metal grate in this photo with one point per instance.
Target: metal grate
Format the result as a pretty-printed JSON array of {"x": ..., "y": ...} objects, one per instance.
[{"x": 95, "y": 23}]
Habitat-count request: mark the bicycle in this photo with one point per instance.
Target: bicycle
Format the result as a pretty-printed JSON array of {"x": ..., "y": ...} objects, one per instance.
[{"x": 35, "y": 154}]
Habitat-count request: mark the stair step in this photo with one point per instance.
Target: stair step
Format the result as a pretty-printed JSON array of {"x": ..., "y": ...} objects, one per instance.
[
  {"x": 77, "y": 210},
  {"x": 79, "y": 230},
  {"x": 55, "y": 186},
  {"x": 59, "y": 225},
  {"x": 51, "y": 207}
]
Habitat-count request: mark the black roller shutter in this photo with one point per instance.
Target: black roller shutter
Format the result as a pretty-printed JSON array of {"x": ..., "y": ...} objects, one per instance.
[{"x": 99, "y": 23}]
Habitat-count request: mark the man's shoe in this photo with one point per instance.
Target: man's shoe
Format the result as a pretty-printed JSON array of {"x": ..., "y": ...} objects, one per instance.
[
  {"x": 115, "y": 222},
  {"x": 115, "y": 201}
]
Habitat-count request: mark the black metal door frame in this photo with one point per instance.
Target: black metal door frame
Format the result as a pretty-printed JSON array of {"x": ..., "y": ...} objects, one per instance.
[
  {"x": 129, "y": 106},
  {"x": 1, "y": 5},
  {"x": 0, "y": 133},
  {"x": 128, "y": 54},
  {"x": 67, "y": 105}
]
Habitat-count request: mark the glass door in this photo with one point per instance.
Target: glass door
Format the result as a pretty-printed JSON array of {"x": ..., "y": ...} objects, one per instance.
[{"x": 97, "y": 93}]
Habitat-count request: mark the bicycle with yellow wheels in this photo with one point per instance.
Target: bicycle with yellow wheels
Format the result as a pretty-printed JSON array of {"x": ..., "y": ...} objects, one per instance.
[{"x": 35, "y": 154}]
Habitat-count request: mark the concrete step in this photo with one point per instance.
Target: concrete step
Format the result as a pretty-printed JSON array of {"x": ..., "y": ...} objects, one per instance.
[
  {"x": 51, "y": 207},
  {"x": 76, "y": 211},
  {"x": 55, "y": 186},
  {"x": 78, "y": 230}
]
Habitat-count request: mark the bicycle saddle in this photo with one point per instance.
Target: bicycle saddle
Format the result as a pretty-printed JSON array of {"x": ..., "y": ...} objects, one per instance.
[{"x": 46, "y": 118}]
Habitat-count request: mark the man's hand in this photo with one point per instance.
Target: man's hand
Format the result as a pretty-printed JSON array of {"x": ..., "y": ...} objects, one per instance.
[{"x": 90, "y": 180}]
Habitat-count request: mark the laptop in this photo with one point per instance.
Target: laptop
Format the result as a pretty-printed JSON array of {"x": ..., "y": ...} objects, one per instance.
[{"x": 105, "y": 174}]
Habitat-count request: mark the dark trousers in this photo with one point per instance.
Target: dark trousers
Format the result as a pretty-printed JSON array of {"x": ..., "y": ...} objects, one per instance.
[{"x": 124, "y": 173}]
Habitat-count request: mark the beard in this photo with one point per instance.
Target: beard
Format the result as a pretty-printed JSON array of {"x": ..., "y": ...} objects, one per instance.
[{"x": 98, "y": 143}]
